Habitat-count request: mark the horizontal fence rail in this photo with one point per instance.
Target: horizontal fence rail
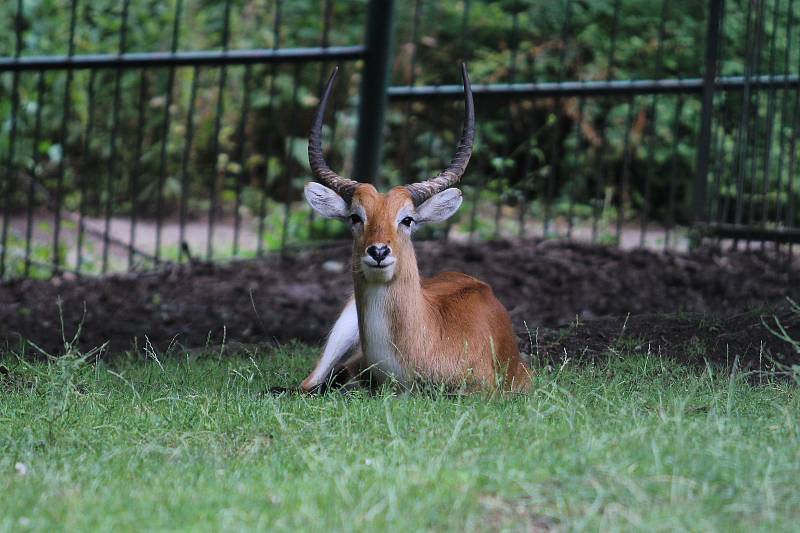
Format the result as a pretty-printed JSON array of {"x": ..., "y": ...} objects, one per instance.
[
  {"x": 745, "y": 233},
  {"x": 213, "y": 58},
  {"x": 595, "y": 88}
]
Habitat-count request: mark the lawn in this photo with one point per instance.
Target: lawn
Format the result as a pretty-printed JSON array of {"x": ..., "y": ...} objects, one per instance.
[{"x": 199, "y": 443}]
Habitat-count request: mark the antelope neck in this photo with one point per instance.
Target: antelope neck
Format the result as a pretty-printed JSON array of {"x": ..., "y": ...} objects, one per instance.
[{"x": 392, "y": 319}]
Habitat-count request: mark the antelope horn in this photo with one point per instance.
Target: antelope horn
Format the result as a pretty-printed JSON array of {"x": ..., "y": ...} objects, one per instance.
[
  {"x": 452, "y": 174},
  {"x": 344, "y": 187}
]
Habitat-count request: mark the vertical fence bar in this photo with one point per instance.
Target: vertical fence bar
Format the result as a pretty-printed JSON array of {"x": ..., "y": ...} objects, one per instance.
[
  {"x": 12, "y": 140},
  {"x": 165, "y": 129},
  {"x": 374, "y": 82},
  {"x": 575, "y": 184},
  {"x": 466, "y": 55},
  {"x": 723, "y": 201},
  {"x": 732, "y": 182},
  {"x": 137, "y": 165},
  {"x": 431, "y": 128},
  {"x": 187, "y": 150},
  {"x": 480, "y": 137},
  {"x": 700, "y": 188},
  {"x": 37, "y": 137},
  {"x": 408, "y": 139},
  {"x": 770, "y": 119},
  {"x": 673, "y": 171},
  {"x": 757, "y": 135},
  {"x": 740, "y": 134},
  {"x": 213, "y": 173},
  {"x": 784, "y": 112},
  {"x": 240, "y": 158},
  {"x": 627, "y": 156},
  {"x": 426, "y": 170},
  {"x": 287, "y": 158},
  {"x": 512, "y": 77},
  {"x": 112, "y": 159},
  {"x": 262, "y": 208},
  {"x": 651, "y": 129},
  {"x": 790, "y": 210},
  {"x": 555, "y": 154},
  {"x": 752, "y": 144},
  {"x": 327, "y": 18},
  {"x": 527, "y": 163},
  {"x": 431, "y": 158},
  {"x": 602, "y": 167},
  {"x": 719, "y": 199},
  {"x": 434, "y": 119},
  {"x": 715, "y": 199},
  {"x": 527, "y": 166},
  {"x": 82, "y": 179},
  {"x": 475, "y": 189},
  {"x": 67, "y": 102},
  {"x": 790, "y": 195}
]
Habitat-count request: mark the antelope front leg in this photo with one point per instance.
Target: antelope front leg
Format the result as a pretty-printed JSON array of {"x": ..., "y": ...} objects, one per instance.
[{"x": 342, "y": 338}]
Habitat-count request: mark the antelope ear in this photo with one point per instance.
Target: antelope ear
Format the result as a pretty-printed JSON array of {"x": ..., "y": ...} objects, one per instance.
[
  {"x": 439, "y": 207},
  {"x": 325, "y": 201}
]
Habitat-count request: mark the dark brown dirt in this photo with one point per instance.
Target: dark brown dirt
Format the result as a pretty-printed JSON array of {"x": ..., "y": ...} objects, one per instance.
[
  {"x": 744, "y": 340},
  {"x": 714, "y": 300}
]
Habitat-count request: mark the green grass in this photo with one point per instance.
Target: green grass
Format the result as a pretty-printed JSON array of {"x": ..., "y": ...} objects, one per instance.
[{"x": 198, "y": 444}]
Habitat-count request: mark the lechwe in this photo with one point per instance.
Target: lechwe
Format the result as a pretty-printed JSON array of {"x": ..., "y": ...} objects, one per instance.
[{"x": 449, "y": 329}]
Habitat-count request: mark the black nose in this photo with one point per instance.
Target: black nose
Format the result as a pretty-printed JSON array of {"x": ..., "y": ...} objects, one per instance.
[{"x": 378, "y": 252}]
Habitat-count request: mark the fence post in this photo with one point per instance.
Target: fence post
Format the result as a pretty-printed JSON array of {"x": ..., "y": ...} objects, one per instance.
[
  {"x": 374, "y": 82},
  {"x": 700, "y": 191}
]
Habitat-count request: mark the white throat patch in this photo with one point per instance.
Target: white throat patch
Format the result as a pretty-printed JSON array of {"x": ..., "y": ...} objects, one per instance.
[{"x": 380, "y": 352}]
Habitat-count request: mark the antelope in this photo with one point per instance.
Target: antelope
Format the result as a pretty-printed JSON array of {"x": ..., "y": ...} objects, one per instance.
[{"x": 399, "y": 327}]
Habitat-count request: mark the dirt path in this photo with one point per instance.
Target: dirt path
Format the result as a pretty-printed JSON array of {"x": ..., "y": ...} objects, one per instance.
[{"x": 196, "y": 236}]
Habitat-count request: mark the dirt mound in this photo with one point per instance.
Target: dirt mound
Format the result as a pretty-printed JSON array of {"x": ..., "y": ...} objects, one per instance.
[{"x": 543, "y": 284}]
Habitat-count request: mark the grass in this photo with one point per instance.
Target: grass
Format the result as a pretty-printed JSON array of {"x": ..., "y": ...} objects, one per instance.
[{"x": 197, "y": 443}]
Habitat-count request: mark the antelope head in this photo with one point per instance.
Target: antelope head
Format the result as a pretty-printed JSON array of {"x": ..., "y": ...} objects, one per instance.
[{"x": 382, "y": 223}]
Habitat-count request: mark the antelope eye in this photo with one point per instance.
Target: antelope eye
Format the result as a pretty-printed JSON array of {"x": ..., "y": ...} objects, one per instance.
[
  {"x": 407, "y": 221},
  {"x": 355, "y": 219}
]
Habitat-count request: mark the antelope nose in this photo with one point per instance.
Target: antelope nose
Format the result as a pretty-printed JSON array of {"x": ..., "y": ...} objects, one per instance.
[{"x": 378, "y": 252}]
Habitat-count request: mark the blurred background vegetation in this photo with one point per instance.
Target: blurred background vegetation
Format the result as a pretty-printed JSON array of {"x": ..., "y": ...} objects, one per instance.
[{"x": 607, "y": 157}]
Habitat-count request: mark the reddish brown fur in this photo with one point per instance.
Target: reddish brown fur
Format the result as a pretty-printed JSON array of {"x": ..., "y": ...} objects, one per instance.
[{"x": 447, "y": 329}]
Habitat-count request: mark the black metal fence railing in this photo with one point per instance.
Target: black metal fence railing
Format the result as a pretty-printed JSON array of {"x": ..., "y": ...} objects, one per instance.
[
  {"x": 629, "y": 116},
  {"x": 128, "y": 149},
  {"x": 177, "y": 129}
]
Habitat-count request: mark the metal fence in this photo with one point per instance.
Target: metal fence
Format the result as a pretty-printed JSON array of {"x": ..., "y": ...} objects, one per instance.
[{"x": 619, "y": 122}]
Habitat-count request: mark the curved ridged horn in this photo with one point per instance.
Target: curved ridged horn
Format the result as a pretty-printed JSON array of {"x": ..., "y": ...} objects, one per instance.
[
  {"x": 450, "y": 176},
  {"x": 344, "y": 187}
]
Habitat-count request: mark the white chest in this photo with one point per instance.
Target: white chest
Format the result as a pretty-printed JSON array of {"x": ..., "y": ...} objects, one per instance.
[{"x": 380, "y": 351}]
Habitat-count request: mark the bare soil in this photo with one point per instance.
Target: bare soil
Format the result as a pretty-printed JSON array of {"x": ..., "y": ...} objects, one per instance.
[{"x": 564, "y": 298}]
